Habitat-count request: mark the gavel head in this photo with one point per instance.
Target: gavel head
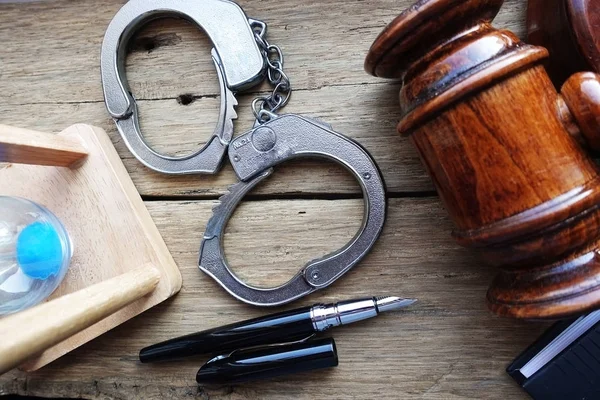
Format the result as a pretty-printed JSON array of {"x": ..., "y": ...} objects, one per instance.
[{"x": 504, "y": 150}]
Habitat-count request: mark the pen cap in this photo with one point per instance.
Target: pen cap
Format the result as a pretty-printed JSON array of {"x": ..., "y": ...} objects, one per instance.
[{"x": 269, "y": 361}]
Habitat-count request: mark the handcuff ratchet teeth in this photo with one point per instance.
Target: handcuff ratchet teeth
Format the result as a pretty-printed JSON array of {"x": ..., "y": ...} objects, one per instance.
[
  {"x": 243, "y": 58},
  {"x": 238, "y": 61}
]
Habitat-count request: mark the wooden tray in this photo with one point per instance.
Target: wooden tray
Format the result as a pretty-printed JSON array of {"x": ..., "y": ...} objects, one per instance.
[{"x": 111, "y": 230}]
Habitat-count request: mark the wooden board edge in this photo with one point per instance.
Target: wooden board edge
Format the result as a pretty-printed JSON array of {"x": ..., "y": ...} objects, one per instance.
[{"x": 174, "y": 280}]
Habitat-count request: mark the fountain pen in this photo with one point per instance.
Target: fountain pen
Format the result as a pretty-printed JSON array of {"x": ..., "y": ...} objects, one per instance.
[{"x": 286, "y": 326}]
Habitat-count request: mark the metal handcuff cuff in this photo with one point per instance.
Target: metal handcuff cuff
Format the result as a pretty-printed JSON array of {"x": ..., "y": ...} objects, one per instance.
[{"x": 242, "y": 58}]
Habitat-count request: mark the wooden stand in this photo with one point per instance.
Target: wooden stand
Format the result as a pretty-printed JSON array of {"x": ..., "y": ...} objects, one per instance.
[{"x": 120, "y": 267}]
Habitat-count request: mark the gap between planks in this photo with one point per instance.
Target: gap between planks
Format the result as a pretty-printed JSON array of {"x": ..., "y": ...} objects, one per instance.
[
  {"x": 194, "y": 97},
  {"x": 292, "y": 196}
]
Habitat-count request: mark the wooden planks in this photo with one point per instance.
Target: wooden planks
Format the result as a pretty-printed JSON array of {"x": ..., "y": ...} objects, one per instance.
[
  {"x": 445, "y": 346},
  {"x": 448, "y": 346},
  {"x": 50, "y": 74}
]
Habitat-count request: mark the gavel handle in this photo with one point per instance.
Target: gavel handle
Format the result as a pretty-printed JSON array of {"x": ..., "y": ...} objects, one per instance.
[
  {"x": 32, "y": 331},
  {"x": 581, "y": 116}
]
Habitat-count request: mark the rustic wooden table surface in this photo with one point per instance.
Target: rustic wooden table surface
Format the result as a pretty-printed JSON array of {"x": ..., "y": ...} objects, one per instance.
[{"x": 447, "y": 346}]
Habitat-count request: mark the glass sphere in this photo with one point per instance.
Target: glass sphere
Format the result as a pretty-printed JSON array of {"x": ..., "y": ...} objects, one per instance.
[{"x": 35, "y": 252}]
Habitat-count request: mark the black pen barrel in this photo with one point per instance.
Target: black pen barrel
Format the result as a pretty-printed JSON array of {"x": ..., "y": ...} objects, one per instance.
[{"x": 276, "y": 328}]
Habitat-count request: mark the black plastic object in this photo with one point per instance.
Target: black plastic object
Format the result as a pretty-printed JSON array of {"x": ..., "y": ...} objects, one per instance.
[
  {"x": 269, "y": 361},
  {"x": 574, "y": 374},
  {"x": 275, "y": 328}
]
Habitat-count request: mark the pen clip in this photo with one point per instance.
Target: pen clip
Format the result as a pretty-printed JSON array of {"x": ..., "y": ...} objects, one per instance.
[{"x": 262, "y": 346}]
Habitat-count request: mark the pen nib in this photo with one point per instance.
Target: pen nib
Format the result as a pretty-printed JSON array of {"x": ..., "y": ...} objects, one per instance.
[{"x": 391, "y": 303}]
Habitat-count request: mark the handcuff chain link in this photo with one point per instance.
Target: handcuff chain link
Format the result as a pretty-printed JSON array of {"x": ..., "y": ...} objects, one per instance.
[{"x": 264, "y": 107}]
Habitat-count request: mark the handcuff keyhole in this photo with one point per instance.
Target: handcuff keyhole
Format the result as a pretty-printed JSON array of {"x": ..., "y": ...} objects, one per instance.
[{"x": 171, "y": 74}]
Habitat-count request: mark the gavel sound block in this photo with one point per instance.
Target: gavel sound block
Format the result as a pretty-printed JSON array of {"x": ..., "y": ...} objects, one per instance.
[{"x": 503, "y": 149}]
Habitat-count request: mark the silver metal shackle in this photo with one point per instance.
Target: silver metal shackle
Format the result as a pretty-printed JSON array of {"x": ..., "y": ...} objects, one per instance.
[
  {"x": 238, "y": 62},
  {"x": 253, "y": 155},
  {"x": 243, "y": 58}
]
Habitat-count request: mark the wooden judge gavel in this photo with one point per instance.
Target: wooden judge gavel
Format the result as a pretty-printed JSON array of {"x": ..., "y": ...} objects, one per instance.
[{"x": 504, "y": 150}]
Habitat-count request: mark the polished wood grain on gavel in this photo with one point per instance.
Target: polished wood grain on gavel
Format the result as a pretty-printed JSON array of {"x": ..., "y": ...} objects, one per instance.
[
  {"x": 504, "y": 149},
  {"x": 570, "y": 30}
]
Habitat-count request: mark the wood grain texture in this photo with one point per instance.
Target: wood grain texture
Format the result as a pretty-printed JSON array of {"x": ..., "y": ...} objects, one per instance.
[
  {"x": 111, "y": 230},
  {"x": 446, "y": 346},
  {"x": 25, "y": 146},
  {"x": 52, "y": 322},
  {"x": 581, "y": 94},
  {"x": 570, "y": 29},
  {"x": 50, "y": 74},
  {"x": 491, "y": 131}
]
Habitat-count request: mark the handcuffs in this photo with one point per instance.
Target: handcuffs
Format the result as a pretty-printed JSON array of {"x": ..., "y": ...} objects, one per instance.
[{"x": 242, "y": 58}]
